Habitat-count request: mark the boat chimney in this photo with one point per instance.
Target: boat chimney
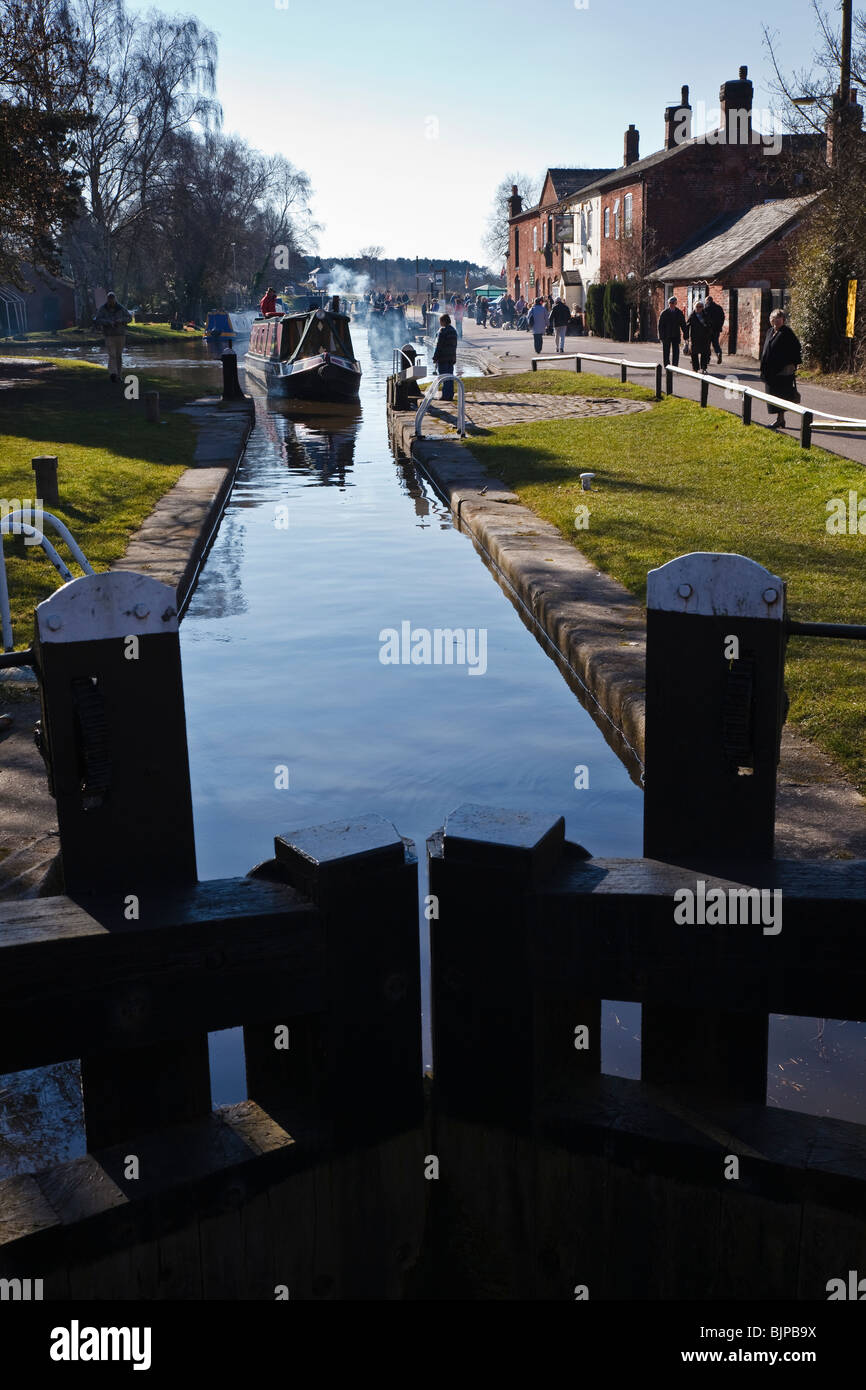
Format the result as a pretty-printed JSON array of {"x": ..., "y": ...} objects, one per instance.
[{"x": 335, "y": 304}]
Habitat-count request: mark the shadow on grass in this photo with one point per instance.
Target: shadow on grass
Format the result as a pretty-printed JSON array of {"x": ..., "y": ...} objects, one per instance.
[{"x": 85, "y": 410}]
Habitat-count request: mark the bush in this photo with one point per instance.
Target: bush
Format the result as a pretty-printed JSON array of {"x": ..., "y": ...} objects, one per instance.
[
  {"x": 615, "y": 311},
  {"x": 595, "y": 309}
]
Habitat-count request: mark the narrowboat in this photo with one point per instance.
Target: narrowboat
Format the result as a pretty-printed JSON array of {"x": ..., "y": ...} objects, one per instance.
[
  {"x": 222, "y": 326},
  {"x": 306, "y": 357}
]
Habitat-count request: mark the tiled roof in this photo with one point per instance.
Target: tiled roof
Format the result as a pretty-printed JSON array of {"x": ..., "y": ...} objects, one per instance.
[
  {"x": 566, "y": 181},
  {"x": 729, "y": 239}
]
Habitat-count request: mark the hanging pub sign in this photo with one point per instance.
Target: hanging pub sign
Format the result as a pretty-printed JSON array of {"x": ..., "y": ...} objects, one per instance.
[
  {"x": 532, "y": 275},
  {"x": 563, "y": 227}
]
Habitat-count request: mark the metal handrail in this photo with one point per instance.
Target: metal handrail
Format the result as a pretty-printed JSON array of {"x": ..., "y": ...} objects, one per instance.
[
  {"x": 16, "y": 520},
  {"x": 810, "y": 419},
  {"x": 428, "y": 398}
]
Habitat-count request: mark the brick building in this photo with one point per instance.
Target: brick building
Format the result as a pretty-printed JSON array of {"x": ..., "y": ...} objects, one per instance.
[
  {"x": 642, "y": 213},
  {"x": 742, "y": 260},
  {"x": 535, "y": 257}
]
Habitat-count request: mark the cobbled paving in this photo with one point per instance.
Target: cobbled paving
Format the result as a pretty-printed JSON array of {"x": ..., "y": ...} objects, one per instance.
[{"x": 492, "y": 408}]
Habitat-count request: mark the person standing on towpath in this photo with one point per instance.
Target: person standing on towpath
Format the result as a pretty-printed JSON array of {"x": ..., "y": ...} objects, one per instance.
[
  {"x": 445, "y": 354},
  {"x": 699, "y": 332},
  {"x": 538, "y": 319},
  {"x": 672, "y": 323},
  {"x": 781, "y": 355},
  {"x": 560, "y": 317},
  {"x": 112, "y": 318}
]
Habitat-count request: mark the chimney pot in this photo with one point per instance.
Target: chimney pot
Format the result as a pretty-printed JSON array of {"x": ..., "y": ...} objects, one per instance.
[
  {"x": 678, "y": 121},
  {"x": 631, "y": 146},
  {"x": 744, "y": 72}
]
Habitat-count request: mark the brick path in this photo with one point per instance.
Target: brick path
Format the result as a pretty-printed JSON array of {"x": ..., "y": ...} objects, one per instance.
[{"x": 488, "y": 409}]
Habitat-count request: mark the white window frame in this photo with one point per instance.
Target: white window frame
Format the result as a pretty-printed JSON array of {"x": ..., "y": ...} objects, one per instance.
[
  {"x": 535, "y": 236},
  {"x": 616, "y": 220},
  {"x": 627, "y": 215},
  {"x": 607, "y": 223}
]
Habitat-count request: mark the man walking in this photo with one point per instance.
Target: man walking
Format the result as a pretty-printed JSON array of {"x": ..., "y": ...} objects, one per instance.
[
  {"x": 672, "y": 324},
  {"x": 560, "y": 317},
  {"x": 445, "y": 354},
  {"x": 715, "y": 316},
  {"x": 698, "y": 330},
  {"x": 112, "y": 318},
  {"x": 538, "y": 320},
  {"x": 481, "y": 311}
]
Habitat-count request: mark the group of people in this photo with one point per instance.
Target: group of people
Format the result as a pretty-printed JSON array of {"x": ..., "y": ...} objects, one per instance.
[
  {"x": 781, "y": 352},
  {"x": 700, "y": 332}
]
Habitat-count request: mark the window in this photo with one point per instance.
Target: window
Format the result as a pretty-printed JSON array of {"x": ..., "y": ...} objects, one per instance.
[
  {"x": 516, "y": 246},
  {"x": 607, "y": 222},
  {"x": 626, "y": 214},
  {"x": 588, "y": 223},
  {"x": 535, "y": 237},
  {"x": 616, "y": 220}
]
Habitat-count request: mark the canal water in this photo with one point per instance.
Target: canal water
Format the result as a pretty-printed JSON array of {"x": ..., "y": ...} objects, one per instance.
[{"x": 326, "y": 542}]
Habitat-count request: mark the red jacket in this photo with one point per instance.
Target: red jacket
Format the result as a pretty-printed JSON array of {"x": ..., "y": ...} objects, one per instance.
[{"x": 268, "y": 305}]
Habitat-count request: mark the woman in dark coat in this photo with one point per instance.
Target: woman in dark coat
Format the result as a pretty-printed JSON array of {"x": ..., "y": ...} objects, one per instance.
[{"x": 780, "y": 358}]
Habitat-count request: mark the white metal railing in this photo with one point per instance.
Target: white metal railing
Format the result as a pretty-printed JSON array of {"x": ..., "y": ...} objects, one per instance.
[
  {"x": 810, "y": 419},
  {"x": 429, "y": 395},
  {"x": 14, "y": 523}
]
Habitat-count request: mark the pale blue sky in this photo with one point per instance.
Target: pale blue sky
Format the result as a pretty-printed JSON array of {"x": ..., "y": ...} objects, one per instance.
[{"x": 352, "y": 93}]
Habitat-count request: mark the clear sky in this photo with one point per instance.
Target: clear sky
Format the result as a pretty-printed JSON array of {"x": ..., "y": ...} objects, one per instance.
[{"x": 406, "y": 116}]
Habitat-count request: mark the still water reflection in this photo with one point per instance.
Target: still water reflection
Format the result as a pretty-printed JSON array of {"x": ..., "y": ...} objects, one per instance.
[{"x": 326, "y": 541}]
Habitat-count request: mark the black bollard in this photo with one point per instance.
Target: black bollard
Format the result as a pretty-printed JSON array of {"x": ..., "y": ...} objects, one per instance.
[
  {"x": 45, "y": 468},
  {"x": 231, "y": 386}
]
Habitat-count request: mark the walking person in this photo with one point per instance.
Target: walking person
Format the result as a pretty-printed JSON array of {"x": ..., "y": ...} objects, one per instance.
[
  {"x": 445, "y": 354},
  {"x": 560, "y": 316},
  {"x": 781, "y": 355},
  {"x": 481, "y": 311},
  {"x": 672, "y": 325},
  {"x": 699, "y": 331},
  {"x": 538, "y": 321},
  {"x": 112, "y": 318},
  {"x": 715, "y": 316},
  {"x": 459, "y": 311}
]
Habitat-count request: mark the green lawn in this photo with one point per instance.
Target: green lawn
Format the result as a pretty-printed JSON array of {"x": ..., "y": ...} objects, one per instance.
[
  {"x": 113, "y": 466},
  {"x": 676, "y": 479},
  {"x": 88, "y": 337}
]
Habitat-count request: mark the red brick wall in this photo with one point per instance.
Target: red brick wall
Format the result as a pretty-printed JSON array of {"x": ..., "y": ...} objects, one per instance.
[{"x": 545, "y": 275}]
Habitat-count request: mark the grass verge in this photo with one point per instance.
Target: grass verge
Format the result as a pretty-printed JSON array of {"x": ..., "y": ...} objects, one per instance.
[
  {"x": 112, "y": 465},
  {"x": 677, "y": 479},
  {"x": 89, "y": 337}
]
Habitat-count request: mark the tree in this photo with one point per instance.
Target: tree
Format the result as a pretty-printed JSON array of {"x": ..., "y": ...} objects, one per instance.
[
  {"x": 495, "y": 238},
  {"x": 140, "y": 82},
  {"x": 370, "y": 257},
  {"x": 38, "y": 191},
  {"x": 831, "y": 248}
]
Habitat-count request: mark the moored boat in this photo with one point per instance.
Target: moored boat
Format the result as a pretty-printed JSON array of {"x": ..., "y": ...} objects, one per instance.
[
  {"x": 306, "y": 357},
  {"x": 222, "y": 326}
]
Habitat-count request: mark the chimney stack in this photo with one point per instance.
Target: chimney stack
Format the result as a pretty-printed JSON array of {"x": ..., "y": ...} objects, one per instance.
[
  {"x": 630, "y": 146},
  {"x": 678, "y": 121},
  {"x": 843, "y": 120},
  {"x": 735, "y": 100},
  {"x": 515, "y": 202}
]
